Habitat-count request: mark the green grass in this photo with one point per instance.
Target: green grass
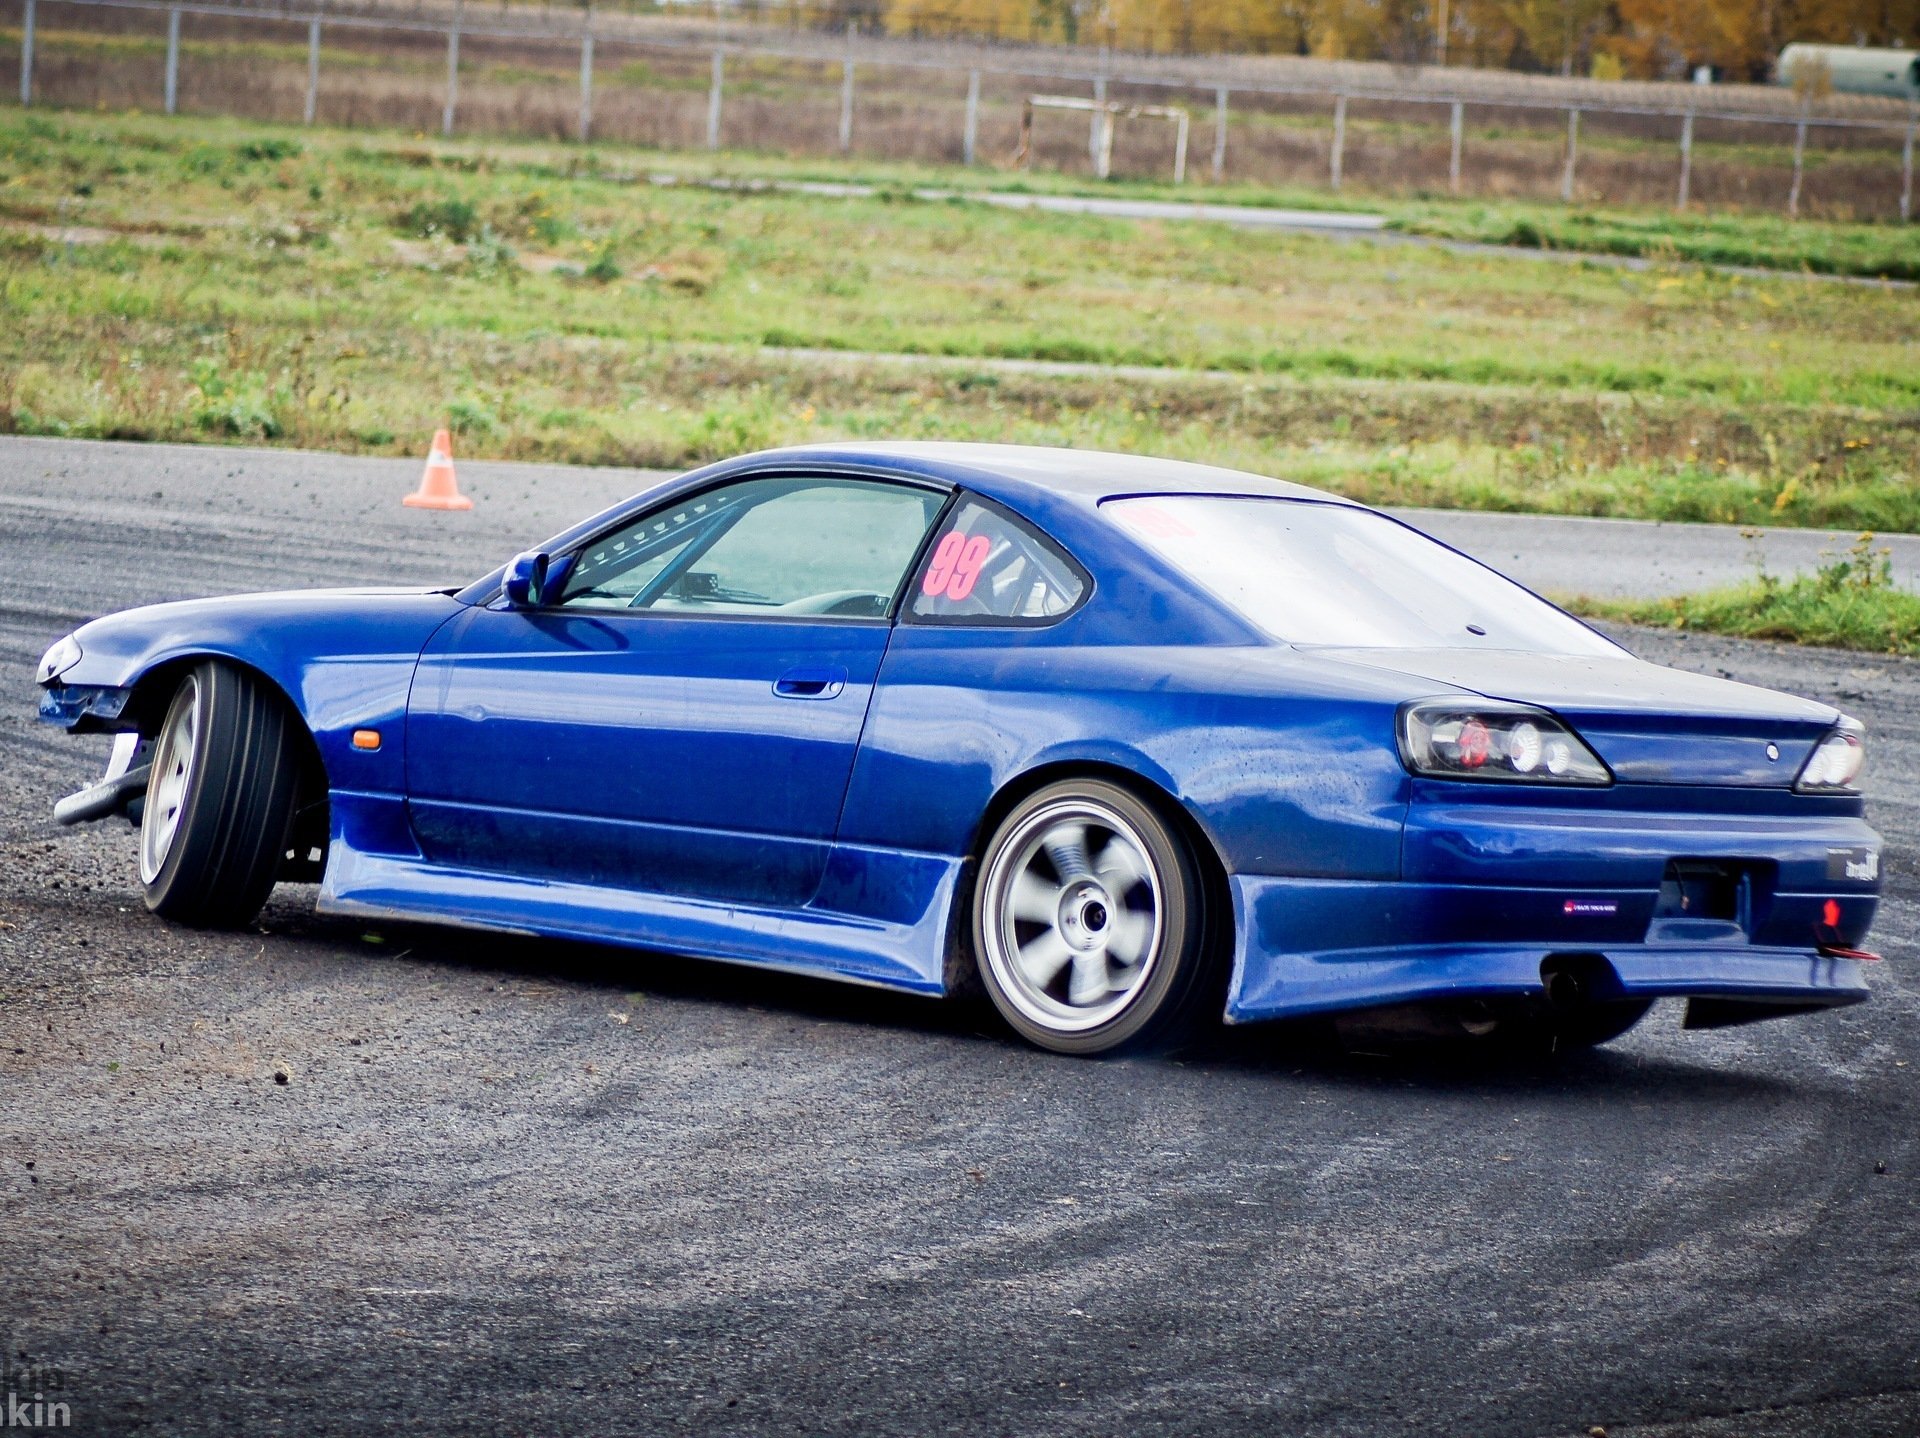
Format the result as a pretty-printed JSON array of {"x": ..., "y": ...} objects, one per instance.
[
  {"x": 1800, "y": 611},
  {"x": 1759, "y": 241},
  {"x": 356, "y": 291},
  {"x": 1860, "y": 249},
  {"x": 1849, "y": 603}
]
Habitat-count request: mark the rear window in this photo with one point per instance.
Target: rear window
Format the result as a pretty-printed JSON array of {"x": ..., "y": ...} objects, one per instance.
[{"x": 1330, "y": 574}]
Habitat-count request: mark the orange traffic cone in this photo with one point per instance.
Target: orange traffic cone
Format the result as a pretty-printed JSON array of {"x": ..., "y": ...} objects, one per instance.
[{"x": 438, "y": 488}]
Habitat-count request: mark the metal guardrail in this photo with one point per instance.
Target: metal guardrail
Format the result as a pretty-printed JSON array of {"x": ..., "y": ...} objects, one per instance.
[{"x": 579, "y": 28}]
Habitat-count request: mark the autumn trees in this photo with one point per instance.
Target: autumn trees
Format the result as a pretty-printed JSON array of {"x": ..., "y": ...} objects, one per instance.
[{"x": 1642, "y": 38}]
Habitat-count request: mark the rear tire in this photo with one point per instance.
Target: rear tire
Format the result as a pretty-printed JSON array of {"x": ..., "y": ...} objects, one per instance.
[
  {"x": 1598, "y": 1024},
  {"x": 1089, "y": 926},
  {"x": 1550, "y": 1035},
  {"x": 219, "y": 807}
]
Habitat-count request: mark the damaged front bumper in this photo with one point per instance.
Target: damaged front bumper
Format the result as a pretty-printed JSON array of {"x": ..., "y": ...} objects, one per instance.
[
  {"x": 83, "y": 706},
  {"x": 90, "y": 708}
]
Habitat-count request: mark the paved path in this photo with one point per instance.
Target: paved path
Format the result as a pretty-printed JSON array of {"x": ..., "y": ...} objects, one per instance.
[
  {"x": 516, "y": 1186},
  {"x": 1627, "y": 558}
]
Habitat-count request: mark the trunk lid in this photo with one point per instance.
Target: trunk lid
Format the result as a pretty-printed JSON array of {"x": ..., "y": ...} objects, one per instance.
[{"x": 1650, "y": 724}]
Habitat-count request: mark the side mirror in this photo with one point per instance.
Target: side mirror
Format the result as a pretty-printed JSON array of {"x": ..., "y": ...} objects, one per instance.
[{"x": 526, "y": 581}]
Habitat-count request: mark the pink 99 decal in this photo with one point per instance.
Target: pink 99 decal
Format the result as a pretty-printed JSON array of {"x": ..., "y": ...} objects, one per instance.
[
  {"x": 966, "y": 569},
  {"x": 956, "y": 566},
  {"x": 941, "y": 570}
]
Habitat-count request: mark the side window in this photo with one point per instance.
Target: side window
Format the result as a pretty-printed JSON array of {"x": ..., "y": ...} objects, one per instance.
[
  {"x": 988, "y": 567},
  {"x": 834, "y": 547}
]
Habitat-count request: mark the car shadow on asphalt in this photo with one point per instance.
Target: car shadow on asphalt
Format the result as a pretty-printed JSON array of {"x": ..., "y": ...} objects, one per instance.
[
  {"x": 1625, "y": 1070},
  {"x": 1282, "y": 1052},
  {"x": 619, "y": 970}
]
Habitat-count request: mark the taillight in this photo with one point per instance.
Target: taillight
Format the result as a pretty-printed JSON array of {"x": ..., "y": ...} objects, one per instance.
[
  {"x": 1835, "y": 762},
  {"x": 1445, "y": 739}
]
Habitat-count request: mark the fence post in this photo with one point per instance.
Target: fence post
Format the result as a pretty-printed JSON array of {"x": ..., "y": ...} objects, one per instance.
[
  {"x": 1456, "y": 129},
  {"x": 453, "y": 78},
  {"x": 1219, "y": 133},
  {"x": 1906, "y": 170},
  {"x": 1573, "y": 153},
  {"x": 173, "y": 59},
  {"x": 1799, "y": 161},
  {"x": 1099, "y": 115},
  {"x": 313, "y": 68},
  {"x": 1339, "y": 136},
  {"x": 586, "y": 86},
  {"x": 713, "y": 100},
  {"x": 846, "y": 105},
  {"x": 973, "y": 116},
  {"x": 26, "y": 57},
  {"x": 1686, "y": 161}
]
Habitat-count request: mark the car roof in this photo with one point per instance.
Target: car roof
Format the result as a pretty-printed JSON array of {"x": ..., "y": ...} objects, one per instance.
[
  {"x": 1090, "y": 475},
  {"x": 1051, "y": 486}
]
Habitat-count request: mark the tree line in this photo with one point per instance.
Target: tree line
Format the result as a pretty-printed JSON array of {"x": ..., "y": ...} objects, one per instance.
[{"x": 1605, "y": 39}]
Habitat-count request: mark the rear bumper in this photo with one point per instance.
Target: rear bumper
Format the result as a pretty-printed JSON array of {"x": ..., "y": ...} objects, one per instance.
[
  {"x": 1490, "y": 893},
  {"x": 1270, "y": 986}
]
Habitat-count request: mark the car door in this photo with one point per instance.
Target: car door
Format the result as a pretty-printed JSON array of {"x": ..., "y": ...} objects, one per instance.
[{"x": 681, "y": 712}]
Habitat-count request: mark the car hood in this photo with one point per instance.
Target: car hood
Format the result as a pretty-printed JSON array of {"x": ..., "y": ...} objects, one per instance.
[{"x": 1651, "y": 724}]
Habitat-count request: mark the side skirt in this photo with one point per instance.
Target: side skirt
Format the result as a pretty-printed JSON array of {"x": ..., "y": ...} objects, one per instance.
[{"x": 822, "y": 942}]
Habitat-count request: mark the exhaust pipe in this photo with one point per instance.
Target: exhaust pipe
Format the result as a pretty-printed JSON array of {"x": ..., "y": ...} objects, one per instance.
[
  {"x": 1574, "y": 981},
  {"x": 1564, "y": 989}
]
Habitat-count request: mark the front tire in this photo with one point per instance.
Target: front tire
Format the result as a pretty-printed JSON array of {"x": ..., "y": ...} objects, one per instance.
[
  {"x": 219, "y": 807},
  {"x": 1088, "y": 922}
]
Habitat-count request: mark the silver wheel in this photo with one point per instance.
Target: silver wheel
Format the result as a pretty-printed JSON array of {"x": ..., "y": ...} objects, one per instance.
[
  {"x": 1072, "y": 915},
  {"x": 172, "y": 781}
]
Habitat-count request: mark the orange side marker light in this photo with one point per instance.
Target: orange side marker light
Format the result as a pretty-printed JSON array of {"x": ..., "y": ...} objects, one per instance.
[{"x": 368, "y": 739}]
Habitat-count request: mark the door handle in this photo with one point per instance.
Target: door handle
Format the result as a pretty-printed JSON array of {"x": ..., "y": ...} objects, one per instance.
[{"x": 811, "y": 683}]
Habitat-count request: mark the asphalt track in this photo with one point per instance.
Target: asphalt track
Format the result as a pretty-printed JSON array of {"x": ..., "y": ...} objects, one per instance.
[{"x": 524, "y": 1187}]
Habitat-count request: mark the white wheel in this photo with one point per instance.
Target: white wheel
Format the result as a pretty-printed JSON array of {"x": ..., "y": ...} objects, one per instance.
[
  {"x": 172, "y": 781},
  {"x": 1074, "y": 909},
  {"x": 1087, "y": 920}
]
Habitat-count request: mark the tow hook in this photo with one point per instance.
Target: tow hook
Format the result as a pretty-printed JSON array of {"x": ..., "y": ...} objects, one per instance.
[
  {"x": 1826, "y": 938},
  {"x": 128, "y": 769},
  {"x": 1841, "y": 951}
]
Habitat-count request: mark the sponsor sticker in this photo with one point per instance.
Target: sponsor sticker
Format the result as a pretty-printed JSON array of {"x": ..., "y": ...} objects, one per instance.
[
  {"x": 1591, "y": 907},
  {"x": 1862, "y": 866}
]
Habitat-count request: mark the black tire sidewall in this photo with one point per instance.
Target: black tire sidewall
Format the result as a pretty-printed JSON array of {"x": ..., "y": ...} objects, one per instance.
[{"x": 238, "y": 809}]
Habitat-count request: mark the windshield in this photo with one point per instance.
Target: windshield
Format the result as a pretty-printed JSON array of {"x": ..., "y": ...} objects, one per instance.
[{"x": 1312, "y": 573}]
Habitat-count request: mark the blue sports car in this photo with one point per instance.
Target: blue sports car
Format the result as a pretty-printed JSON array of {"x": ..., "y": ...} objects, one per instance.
[{"x": 1128, "y": 743}]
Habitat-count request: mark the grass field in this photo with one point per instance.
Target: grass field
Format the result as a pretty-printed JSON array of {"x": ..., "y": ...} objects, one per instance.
[
  {"x": 1722, "y": 238},
  {"x": 1850, "y": 602},
  {"x": 218, "y": 280}
]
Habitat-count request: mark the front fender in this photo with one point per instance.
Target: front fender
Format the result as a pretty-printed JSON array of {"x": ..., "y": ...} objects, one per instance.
[{"x": 343, "y": 658}]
